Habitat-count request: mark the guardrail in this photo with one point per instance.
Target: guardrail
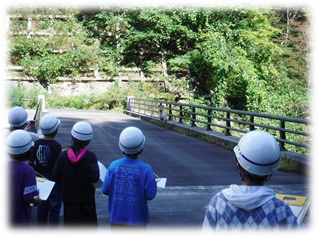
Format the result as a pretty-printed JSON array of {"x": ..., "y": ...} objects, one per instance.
[{"x": 227, "y": 119}]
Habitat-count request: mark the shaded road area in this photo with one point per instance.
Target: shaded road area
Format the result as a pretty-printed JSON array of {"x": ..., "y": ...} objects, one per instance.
[{"x": 195, "y": 170}]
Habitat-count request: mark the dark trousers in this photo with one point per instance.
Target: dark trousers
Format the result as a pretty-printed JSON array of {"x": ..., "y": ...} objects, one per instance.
[
  {"x": 49, "y": 210},
  {"x": 83, "y": 214},
  {"x": 127, "y": 230}
]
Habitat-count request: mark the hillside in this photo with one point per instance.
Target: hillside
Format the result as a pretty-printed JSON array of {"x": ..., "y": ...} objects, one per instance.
[{"x": 254, "y": 59}]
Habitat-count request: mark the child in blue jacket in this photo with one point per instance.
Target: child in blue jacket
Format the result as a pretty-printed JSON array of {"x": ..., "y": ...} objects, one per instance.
[{"x": 129, "y": 183}]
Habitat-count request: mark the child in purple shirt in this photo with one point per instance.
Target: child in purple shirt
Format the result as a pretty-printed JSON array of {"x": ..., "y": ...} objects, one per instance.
[{"x": 23, "y": 189}]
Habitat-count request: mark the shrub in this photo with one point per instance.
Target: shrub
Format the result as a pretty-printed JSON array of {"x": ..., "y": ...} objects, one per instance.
[{"x": 20, "y": 96}]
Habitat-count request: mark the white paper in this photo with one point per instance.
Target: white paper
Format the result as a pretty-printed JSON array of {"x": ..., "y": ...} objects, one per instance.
[
  {"x": 303, "y": 213},
  {"x": 161, "y": 182},
  {"x": 102, "y": 171},
  {"x": 296, "y": 209},
  {"x": 299, "y": 211},
  {"x": 45, "y": 188}
]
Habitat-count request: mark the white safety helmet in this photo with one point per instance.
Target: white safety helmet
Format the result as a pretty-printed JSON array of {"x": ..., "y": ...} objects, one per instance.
[
  {"x": 17, "y": 116},
  {"x": 49, "y": 123},
  {"x": 19, "y": 142},
  {"x": 82, "y": 131},
  {"x": 131, "y": 140},
  {"x": 258, "y": 153}
]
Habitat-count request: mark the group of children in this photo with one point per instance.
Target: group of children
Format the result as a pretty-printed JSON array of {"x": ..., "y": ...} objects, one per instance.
[{"x": 129, "y": 182}]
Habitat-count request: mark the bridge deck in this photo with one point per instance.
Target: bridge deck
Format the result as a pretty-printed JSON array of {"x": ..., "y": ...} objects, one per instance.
[{"x": 195, "y": 170}]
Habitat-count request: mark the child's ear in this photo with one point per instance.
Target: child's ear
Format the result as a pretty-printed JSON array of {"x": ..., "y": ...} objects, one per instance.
[{"x": 239, "y": 167}]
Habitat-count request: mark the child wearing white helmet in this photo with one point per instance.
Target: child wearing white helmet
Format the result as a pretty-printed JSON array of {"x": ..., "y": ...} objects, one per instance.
[
  {"x": 251, "y": 206},
  {"x": 43, "y": 159},
  {"x": 18, "y": 119},
  {"x": 23, "y": 188},
  {"x": 129, "y": 183},
  {"x": 76, "y": 170}
]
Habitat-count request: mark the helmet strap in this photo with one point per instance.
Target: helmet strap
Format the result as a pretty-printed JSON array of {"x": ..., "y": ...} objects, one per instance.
[
  {"x": 239, "y": 167},
  {"x": 268, "y": 177},
  {"x": 243, "y": 176}
]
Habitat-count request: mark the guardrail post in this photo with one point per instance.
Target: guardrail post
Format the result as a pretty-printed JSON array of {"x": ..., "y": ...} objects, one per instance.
[
  {"x": 180, "y": 114},
  {"x": 139, "y": 105},
  {"x": 170, "y": 112},
  {"x": 282, "y": 136},
  {"x": 42, "y": 97},
  {"x": 209, "y": 121},
  {"x": 129, "y": 107},
  {"x": 252, "y": 127},
  {"x": 159, "y": 110},
  {"x": 152, "y": 105},
  {"x": 193, "y": 117},
  {"x": 228, "y": 124}
]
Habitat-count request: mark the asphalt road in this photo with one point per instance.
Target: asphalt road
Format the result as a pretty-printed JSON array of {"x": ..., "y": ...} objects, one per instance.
[{"x": 195, "y": 170}]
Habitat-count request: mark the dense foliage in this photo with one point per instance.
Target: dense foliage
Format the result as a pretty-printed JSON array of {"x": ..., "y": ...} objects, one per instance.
[
  {"x": 229, "y": 49},
  {"x": 19, "y": 96},
  {"x": 241, "y": 58}
]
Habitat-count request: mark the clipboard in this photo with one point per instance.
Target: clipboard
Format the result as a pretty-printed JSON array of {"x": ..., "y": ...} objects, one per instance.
[
  {"x": 298, "y": 204},
  {"x": 45, "y": 187},
  {"x": 102, "y": 171},
  {"x": 161, "y": 182}
]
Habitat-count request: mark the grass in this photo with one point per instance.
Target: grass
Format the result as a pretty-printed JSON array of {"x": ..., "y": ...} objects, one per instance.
[
  {"x": 113, "y": 101},
  {"x": 287, "y": 164}
]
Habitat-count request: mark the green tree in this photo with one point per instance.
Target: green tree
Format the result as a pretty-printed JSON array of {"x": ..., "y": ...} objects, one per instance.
[{"x": 231, "y": 53}]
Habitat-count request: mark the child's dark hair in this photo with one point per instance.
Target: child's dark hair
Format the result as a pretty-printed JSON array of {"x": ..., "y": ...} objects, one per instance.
[
  {"x": 259, "y": 180},
  {"x": 21, "y": 157},
  {"x": 77, "y": 145},
  {"x": 20, "y": 127},
  {"x": 134, "y": 156},
  {"x": 53, "y": 134}
]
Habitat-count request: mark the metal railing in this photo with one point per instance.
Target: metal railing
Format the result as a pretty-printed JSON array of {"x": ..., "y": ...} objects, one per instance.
[{"x": 227, "y": 119}]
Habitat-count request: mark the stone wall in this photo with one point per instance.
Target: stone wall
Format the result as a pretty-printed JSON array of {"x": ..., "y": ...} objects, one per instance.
[{"x": 68, "y": 86}]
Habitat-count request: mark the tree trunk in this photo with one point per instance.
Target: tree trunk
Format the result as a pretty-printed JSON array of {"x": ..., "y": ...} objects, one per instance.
[{"x": 287, "y": 31}]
